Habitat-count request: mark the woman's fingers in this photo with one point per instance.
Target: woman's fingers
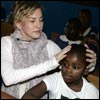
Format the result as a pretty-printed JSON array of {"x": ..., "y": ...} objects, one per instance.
[
  {"x": 91, "y": 58},
  {"x": 91, "y": 52},
  {"x": 89, "y": 66},
  {"x": 62, "y": 53},
  {"x": 86, "y": 45}
]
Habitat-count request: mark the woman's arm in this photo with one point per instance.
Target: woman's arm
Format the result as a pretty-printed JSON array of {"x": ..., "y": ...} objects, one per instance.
[
  {"x": 36, "y": 92},
  {"x": 12, "y": 76}
]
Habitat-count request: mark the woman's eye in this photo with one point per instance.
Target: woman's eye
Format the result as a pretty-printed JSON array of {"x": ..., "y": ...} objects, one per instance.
[
  {"x": 41, "y": 20},
  {"x": 32, "y": 21}
]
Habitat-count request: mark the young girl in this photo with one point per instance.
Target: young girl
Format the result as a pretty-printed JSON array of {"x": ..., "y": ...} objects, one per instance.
[{"x": 69, "y": 83}]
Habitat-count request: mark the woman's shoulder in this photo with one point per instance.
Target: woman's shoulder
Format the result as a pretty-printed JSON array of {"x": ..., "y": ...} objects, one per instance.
[
  {"x": 50, "y": 41},
  {"x": 52, "y": 48},
  {"x": 5, "y": 40},
  {"x": 51, "y": 44}
]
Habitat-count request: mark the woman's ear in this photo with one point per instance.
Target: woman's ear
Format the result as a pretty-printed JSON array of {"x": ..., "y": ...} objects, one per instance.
[{"x": 18, "y": 25}]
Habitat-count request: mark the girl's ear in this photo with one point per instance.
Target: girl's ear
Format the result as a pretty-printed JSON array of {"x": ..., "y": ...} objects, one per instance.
[{"x": 86, "y": 71}]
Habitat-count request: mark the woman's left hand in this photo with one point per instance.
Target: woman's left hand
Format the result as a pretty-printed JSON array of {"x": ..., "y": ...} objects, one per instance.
[{"x": 92, "y": 55}]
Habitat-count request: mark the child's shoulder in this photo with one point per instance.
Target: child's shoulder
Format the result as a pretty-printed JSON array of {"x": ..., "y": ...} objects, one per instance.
[
  {"x": 54, "y": 76},
  {"x": 89, "y": 85},
  {"x": 89, "y": 91}
]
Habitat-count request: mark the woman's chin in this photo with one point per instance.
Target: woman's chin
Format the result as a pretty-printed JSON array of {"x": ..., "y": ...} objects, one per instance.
[{"x": 36, "y": 36}]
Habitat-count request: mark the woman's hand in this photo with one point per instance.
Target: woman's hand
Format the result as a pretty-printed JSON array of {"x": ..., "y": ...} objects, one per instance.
[
  {"x": 62, "y": 53},
  {"x": 92, "y": 55}
]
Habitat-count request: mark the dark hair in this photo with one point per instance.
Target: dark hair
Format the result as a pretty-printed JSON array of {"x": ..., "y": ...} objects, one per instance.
[{"x": 80, "y": 51}]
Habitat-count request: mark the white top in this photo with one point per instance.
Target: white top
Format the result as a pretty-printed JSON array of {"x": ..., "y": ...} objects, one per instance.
[
  {"x": 12, "y": 76},
  {"x": 59, "y": 90}
]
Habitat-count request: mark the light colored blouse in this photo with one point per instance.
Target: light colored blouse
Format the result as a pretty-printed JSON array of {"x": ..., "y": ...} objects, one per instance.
[{"x": 13, "y": 76}]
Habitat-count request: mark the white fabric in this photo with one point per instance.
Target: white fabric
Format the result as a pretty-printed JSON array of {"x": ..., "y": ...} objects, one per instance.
[
  {"x": 27, "y": 53},
  {"x": 87, "y": 31},
  {"x": 57, "y": 88},
  {"x": 64, "y": 38},
  {"x": 13, "y": 76}
]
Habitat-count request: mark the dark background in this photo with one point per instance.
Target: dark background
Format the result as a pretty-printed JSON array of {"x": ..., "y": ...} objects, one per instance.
[{"x": 56, "y": 13}]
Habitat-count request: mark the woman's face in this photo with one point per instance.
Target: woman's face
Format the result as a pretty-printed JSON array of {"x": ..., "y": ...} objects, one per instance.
[{"x": 32, "y": 27}]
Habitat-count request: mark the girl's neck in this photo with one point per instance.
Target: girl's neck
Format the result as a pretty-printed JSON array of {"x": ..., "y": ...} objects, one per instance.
[{"x": 76, "y": 86}]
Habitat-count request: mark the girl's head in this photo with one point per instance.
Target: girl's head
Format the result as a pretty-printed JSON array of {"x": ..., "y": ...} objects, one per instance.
[
  {"x": 28, "y": 18},
  {"x": 74, "y": 65}
]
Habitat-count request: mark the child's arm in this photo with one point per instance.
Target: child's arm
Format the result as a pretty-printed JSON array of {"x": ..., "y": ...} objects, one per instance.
[
  {"x": 36, "y": 92},
  {"x": 5, "y": 95}
]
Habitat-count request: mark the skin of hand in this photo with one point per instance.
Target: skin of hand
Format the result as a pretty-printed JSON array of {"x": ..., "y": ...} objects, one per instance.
[
  {"x": 62, "y": 53},
  {"x": 6, "y": 96},
  {"x": 36, "y": 92},
  {"x": 91, "y": 55}
]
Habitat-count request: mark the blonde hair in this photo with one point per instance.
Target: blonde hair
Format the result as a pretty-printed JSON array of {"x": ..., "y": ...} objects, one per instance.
[{"x": 23, "y": 9}]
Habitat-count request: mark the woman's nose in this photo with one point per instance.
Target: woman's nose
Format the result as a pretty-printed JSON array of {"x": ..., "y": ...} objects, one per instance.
[{"x": 38, "y": 23}]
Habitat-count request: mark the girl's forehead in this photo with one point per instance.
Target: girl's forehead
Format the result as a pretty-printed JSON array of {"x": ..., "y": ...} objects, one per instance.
[
  {"x": 73, "y": 56},
  {"x": 74, "y": 59}
]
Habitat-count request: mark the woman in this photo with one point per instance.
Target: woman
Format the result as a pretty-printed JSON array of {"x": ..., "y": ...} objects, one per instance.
[{"x": 26, "y": 54}]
